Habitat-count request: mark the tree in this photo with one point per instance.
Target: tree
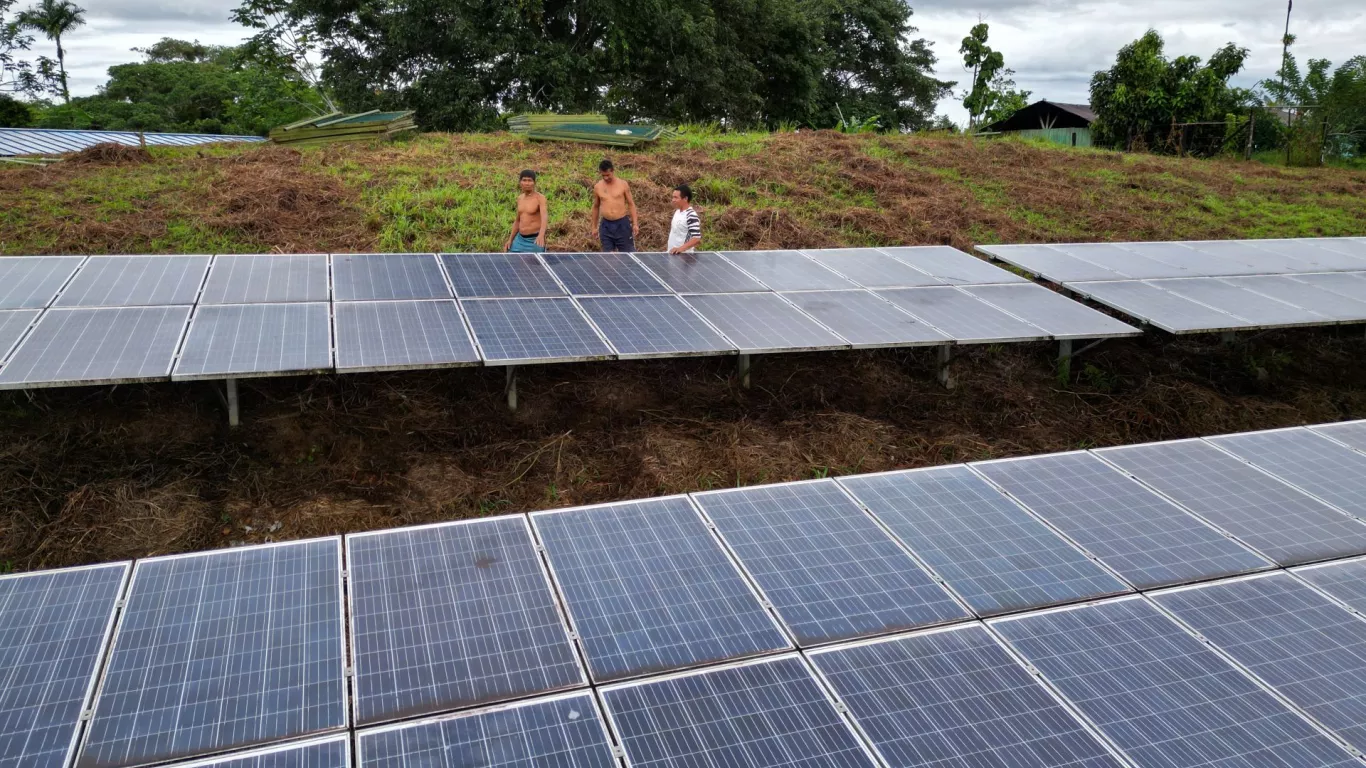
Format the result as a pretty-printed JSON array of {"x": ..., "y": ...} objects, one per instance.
[
  {"x": 1328, "y": 103},
  {"x": 1005, "y": 100},
  {"x": 13, "y": 70},
  {"x": 54, "y": 18},
  {"x": 984, "y": 63}
]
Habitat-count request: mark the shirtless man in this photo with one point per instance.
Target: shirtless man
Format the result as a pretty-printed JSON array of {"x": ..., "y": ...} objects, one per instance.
[
  {"x": 533, "y": 214},
  {"x": 614, "y": 212}
]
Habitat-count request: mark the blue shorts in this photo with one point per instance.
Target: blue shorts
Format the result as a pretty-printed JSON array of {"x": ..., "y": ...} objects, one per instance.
[
  {"x": 616, "y": 235},
  {"x": 523, "y": 244}
]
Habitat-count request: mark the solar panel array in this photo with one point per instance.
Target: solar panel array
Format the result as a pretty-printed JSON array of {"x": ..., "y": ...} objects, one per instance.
[
  {"x": 775, "y": 625},
  {"x": 114, "y": 319}
]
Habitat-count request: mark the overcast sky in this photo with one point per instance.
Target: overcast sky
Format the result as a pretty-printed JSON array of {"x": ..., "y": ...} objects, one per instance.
[{"x": 1053, "y": 45}]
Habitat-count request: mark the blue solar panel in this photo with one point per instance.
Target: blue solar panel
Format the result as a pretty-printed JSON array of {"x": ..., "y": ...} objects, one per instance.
[
  {"x": 761, "y": 714},
  {"x": 499, "y": 275},
  {"x": 1308, "y": 461},
  {"x": 1161, "y": 695},
  {"x": 562, "y": 731},
  {"x": 1345, "y": 580},
  {"x": 1310, "y": 649},
  {"x": 53, "y": 630},
  {"x": 990, "y": 551},
  {"x": 135, "y": 281},
  {"x": 1146, "y": 539},
  {"x": 698, "y": 272},
  {"x": 453, "y": 615},
  {"x": 829, "y": 570},
  {"x": 387, "y": 276},
  {"x": 31, "y": 282},
  {"x": 603, "y": 274},
  {"x": 653, "y": 326},
  {"x": 954, "y": 698},
  {"x": 648, "y": 588},
  {"x": 513, "y": 331},
  {"x": 329, "y": 752},
  {"x": 223, "y": 650}
]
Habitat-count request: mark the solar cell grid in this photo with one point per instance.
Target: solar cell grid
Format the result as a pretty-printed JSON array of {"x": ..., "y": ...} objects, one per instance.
[
  {"x": 1231, "y": 299},
  {"x": 1308, "y": 461},
  {"x": 962, "y": 316},
  {"x": 954, "y": 698},
  {"x": 994, "y": 554},
  {"x": 763, "y": 322},
  {"x": 135, "y": 281},
  {"x": 453, "y": 615},
  {"x": 53, "y": 630},
  {"x": 871, "y": 268},
  {"x": 1345, "y": 580},
  {"x": 1056, "y": 314},
  {"x": 1121, "y": 260},
  {"x": 251, "y": 279},
  {"x": 398, "y": 335},
  {"x": 864, "y": 319},
  {"x": 951, "y": 265},
  {"x": 244, "y": 340},
  {"x": 1351, "y": 285},
  {"x": 387, "y": 276},
  {"x": 533, "y": 331},
  {"x": 1049, "y": 263},
  {"x": 1352, "y": 433},
  {"x": 1285, "y": 288},
  {"x": 1305, "y": 646},
  {"x": 1316, "y": 252},
  {"x": 828, "y": 569},
  {"x": 330, "y": 752},
  {"x": 787, "y": 270},
  {"x": 13, "y": 324},
  {"x": 96, "y": 346},
  {"x": 31, "y": 282},
  {"x": 1159, "y": 308},
  {"x": 1146, "y": 539},
  {"x": 1161, "y": 695},
  {"x": 499, "y": 275},
  {"x": 653, "y": 326},
  {"x": 603, "y": 274},
  {"x": 698, "y": 273},
  {"x": 648, "y": 588}
]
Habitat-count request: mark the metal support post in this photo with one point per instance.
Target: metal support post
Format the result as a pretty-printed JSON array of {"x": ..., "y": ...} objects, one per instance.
[
  {"x": 1064, "y": 349},
  {"x": 233, "y": 419},
  {"x": 945, "y": 375},
  {"x": 511, "y": 387},
  {"x": 742, "y": 369},
  {"x": 1228, "y": 338}
]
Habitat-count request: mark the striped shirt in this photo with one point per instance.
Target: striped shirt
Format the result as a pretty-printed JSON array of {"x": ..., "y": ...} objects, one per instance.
[{"x": 686, "y": 226}]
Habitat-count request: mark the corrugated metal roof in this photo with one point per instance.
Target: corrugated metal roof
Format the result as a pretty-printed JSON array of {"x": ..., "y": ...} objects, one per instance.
[{"x": 52, "y": 141}]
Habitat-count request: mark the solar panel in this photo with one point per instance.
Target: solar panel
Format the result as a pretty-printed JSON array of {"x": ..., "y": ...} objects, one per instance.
[
  {"x": 1287, "y": 526},
  {"x": 1161, "y": 695},
  {"x": 951, "y": 265},
  {"x": 1286, "y": 288},
  {"x": 962, "y": 316},
  {"x": 1254, "y": 260},
  {"x": 864, "y": 319},
  {"x": 872, "y": 269},
  {"x": 648, "y": 588},
  {"x": 1296, "y": 640},
  {"x": 787, "y": 270},
  {"x": 828, "y": 569},
  {"x": 533, "y": 330},
  {"x": 1162, "y": 309},
  {"x": 1308, "y": 461},
  {"x": 381, "y": 276},
  {"x": 563, "y": 731},
  {"x": 763, "y": 322},
  {"x": 1061, "y": 317},
  {"x": 1352, "y": 246},
  {"x": 31, "y": 282},
  {"x": 96, "y": 346},
  {"x": 53, "y": 630},
  {"x": 995, "y": 555},
  {"x": 240, "y": 340},
  {"x": 397, "y": 335},
  {"x": 954, "y": 698},
  {"x": 1118, "y": 259},
  {"x": 758, "y": 714},
  {"x": 1184, "y": 260},
  {"x": 1351, "y": 285},
  {"x": 223, "y": 650},
  {"x": 253, "y": 279},
  {"x": 1049, "y": 263},
  {"x": 1345, "y": 580},
  {"x": 1229, "y": 298},
  {"x": 653, "y": 326},
  {"x": 1146, "y": 539},
  {"x": 13, "y": 324},
  {"x": 698, "y": 273},
  {"x": 1352, "y": 433},
  {"x": 602, "y": 274},
  {"x": 1317, "y": 252},
  {"x": 135, "y": 281},
  {"x": 499, "y": 275},
  {"x": 328, "y": 752}
]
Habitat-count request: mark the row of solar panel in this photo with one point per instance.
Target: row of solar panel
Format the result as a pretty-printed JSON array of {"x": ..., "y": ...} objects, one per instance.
[
  {"x": 134, "y": 318},
  {"x": 224, "y": 650},
  {"x": 52, "y": 141}
]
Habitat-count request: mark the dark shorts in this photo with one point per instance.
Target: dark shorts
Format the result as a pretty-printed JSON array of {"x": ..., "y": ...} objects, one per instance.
[{"x": 616, "y": 235}]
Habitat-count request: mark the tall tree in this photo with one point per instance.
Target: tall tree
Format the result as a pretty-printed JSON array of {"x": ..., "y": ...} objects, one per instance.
[
  {"x": 13, "y": 41},
  {"x": 984, "y": 63},
  {"x": 54, "y": 18}
]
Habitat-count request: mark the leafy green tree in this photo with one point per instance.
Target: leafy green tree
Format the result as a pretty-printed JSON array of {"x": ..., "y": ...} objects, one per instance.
[
  {"x": 54, "y": 18},
  {"x": 1006, "y": 100},
  {"x": 14, "y": 71},
  {"x": 1330, "y": 103},
  {"x": 992, "y": 96},
  {"x": 14, "y": 113}
]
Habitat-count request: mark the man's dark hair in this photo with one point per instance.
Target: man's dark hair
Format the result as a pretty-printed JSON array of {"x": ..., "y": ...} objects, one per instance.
[
  {"x": 685, "y": 191},
  {"x": 527, "y": 174},
  {"x": 605, "y": 165}
]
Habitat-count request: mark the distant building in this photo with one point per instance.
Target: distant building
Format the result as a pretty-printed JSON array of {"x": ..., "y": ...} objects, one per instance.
[{"x": 1066, "y": 124}]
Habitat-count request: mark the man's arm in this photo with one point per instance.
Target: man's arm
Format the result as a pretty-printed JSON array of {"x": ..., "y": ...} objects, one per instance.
[
  {"x": 593, "y": 214},
  {"x": 631, "y": 205},
  {"x": 545, "y": 220}
]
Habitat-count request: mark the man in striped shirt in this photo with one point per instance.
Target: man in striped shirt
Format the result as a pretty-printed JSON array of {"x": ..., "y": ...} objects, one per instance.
[{"x": 685, "y": 233}]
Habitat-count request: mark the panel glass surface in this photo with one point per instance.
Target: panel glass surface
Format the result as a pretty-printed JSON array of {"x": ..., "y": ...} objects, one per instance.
[
  {"x": 1310, "y": 649},
  {"x": 1351, "y": 285},
  {"x": 1282, "y": 523},
  {"x": 698, "y": 273},
  {"x": 962, "y": 317},
  {"x": 1229, "y": 298},
  {"x": 1049, "y": 263},
  {"x": 1186, "y": 261},
  {"x": 331, "y": 752},
  {"x": 247, "y": 339},
  {"x": 380, "y": 335},
  {"x": 53, "y": 630},
  {"x": 31, "y": 282},
  {"x": 1352, "y": 433},
  {"x": 1345, "y": 580},
  {"x": 653, "y": 326},
  {"x": 827, "y": 568},
  {"x": 135, "y": 281},
  {"x": 994, "y": 554},
  {"x": 13, "y": 323},
  {"x": 560, "y": 732},
  {"x": 533, "y": 330},
  {"x": 1061, "y": 317},
  {"x": 1118, "y": 259},
  {"x": 787, "y": 270},
  {"x": 955, "y": 699},
  {"x": 75, "y": 346},
  {"x": 603, "y": 274},
  {"x": 1160, "y": 694},
  {"x": 649, "y": 588},
  {"x": 1288, "y": 289},
  {"x": 763, "y": 322},
  {"x": 864, "y": 319},
  {"x": 1146, "y": 539},
  {"x": 1318, "y": 253},
  {"x": 381, "y": 276},
  {"x": 223, "y": 650},
  {"x": 1307, "y": 461},
  {"x": 951, "y": 265},
  {"x": 1163, "y": 309},
  {"x": 871, "y": 268},
  {"x": 235, "y": 279},
  {"x": 759, "y": 715},
  {"x": 499, "y": 275}
]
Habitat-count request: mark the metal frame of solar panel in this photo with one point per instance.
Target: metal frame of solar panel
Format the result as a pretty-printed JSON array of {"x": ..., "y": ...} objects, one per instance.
[
  {"x": 43, "y": 698},
  {"x": 327, "y": 752},
  {"x": 486, "y": 610}
]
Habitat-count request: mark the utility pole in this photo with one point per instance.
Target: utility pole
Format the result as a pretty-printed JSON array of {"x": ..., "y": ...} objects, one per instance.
[{"x": 1285, "y": 41}]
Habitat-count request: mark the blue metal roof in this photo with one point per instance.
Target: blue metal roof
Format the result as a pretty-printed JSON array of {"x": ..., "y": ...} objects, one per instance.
[{"x": 50, "y": 141}]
